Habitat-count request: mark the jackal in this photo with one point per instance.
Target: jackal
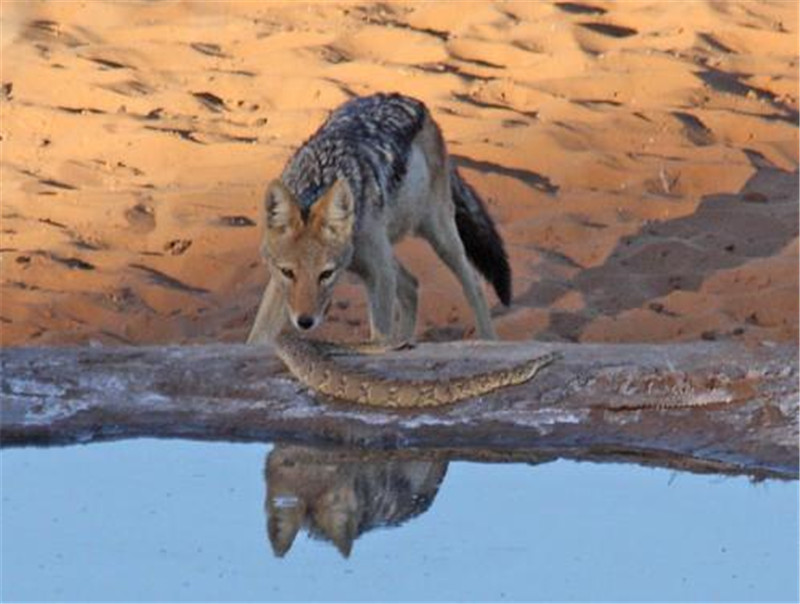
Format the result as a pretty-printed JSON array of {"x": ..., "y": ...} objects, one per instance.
[{"x": 376, "y": 170}]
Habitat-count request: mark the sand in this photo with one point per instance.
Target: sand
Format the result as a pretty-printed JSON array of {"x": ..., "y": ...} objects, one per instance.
[{"x": 640, "y": 158}]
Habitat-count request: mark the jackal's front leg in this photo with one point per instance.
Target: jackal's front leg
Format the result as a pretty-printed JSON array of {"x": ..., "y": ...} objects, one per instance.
[
  {"x": 381, "y": 293},
  {"x": 405, "y": 306},
  {"x": 271, "y": 316},
  {"x": 374, "y": 262}
]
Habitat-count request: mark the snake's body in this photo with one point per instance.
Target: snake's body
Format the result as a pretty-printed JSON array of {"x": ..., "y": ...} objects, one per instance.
[{"x": 312, "y": 364}]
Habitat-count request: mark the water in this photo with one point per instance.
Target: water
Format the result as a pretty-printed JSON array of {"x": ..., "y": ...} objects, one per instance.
[{"x": 149, "y": 520}]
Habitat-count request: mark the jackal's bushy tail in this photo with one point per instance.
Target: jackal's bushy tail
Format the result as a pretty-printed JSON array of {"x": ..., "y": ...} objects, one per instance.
[{"x": 481, "y": 240}]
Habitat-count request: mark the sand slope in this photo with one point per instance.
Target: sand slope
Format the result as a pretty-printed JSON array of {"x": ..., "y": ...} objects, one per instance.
[{"x": 640, "y": 158}]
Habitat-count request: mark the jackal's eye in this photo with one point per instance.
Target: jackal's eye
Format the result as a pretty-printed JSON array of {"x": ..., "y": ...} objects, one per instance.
[
  {"x": 326, "y": 274},
  {"x": 287, "y": 272}
]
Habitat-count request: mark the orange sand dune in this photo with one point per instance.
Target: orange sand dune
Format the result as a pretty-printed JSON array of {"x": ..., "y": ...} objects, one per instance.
[{"x": 641, "y": 159}]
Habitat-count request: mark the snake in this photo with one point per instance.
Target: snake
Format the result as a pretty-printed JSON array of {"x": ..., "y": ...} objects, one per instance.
[{"x": 310, "y": 362}]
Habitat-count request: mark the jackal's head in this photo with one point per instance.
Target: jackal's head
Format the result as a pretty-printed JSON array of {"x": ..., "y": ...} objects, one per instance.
[{"x": 308, "y": 250}]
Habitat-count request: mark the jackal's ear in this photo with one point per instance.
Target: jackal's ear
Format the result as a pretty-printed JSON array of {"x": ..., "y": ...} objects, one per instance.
[
  {"x": 335, "y": 517},
  {"x": 281, "y": 213},
  {"x": 333, "y": 215},
  {"x": 283, "y": 526}
]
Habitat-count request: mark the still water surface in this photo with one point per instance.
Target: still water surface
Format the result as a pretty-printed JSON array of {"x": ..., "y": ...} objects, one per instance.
[{"x": 150, "y": 520}]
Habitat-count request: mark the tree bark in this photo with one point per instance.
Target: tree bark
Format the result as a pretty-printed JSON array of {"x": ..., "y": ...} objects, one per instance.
[{"x": 702, "y": 406}]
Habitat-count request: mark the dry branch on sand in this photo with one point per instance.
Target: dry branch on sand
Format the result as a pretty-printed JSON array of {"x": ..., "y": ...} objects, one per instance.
[{"x": 702, "y": 406}]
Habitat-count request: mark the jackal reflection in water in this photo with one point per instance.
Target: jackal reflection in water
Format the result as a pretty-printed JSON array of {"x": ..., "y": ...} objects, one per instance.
[{"x": 341, "y": 494}]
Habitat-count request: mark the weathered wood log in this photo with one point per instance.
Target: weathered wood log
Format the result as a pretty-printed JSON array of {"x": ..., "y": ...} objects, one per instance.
[{"x": 702, "y": 406}]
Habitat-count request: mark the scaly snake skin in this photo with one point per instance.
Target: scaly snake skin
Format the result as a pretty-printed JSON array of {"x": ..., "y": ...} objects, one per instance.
[{"x": 310, "y": 363}]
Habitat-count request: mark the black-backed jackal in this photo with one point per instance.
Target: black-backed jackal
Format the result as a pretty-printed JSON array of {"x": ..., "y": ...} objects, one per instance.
[{"x": 376, "y": 170}]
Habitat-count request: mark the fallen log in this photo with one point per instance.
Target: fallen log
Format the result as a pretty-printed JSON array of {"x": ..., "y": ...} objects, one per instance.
[{"x": 704, "y": 406}]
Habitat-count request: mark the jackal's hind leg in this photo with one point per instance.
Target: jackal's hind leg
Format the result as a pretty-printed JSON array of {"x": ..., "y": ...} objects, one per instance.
[{"x": 442, "y": 233}]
